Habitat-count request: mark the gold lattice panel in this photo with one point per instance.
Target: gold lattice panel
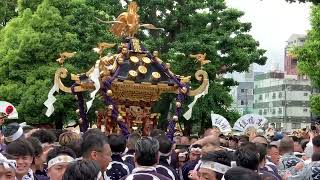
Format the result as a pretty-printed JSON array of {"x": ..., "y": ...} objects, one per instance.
[{"x": 140, "y": 92}]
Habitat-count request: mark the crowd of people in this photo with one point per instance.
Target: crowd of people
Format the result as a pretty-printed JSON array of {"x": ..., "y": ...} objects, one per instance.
[{"x": 29, "y": 153}]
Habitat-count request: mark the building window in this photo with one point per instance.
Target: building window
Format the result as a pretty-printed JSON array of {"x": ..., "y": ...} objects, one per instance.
[
  {"x": 260, "y": 111},
  {"x": 260, "y": 97},
  {"x": 305, "y": 94},
  {"x": 274, "y": 95},
  {"x": 296, "y": 125},
  {"x": 265, "y": 111},
  {"x": 242, "y": 102},
  {"x": 242, "y": 90},
  {"x": 273, "y": 111},
  {"x": 280, "y": 95},
  {"x": 305, "y": 110},
  {"x": 280, "y": 111}
]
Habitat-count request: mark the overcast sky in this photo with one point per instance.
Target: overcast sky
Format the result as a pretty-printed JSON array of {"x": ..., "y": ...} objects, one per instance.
[{"x": 273, "y": 22}]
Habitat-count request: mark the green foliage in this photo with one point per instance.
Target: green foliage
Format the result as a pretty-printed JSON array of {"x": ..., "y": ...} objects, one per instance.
[
  {"x": 29, "y": 45},
  {"x": 7, "y": 11},
  {"x": 201, "y": 26},
  {"x": 304, "y": 1},
  {"x": 315, "y": 104},
  {"x": 31, "y": 42},
  {"x": 308, "y": 57}
]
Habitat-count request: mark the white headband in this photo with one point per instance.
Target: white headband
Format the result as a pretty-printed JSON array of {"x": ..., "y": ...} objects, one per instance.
[
  {"x": 14, "y": 136},
  {"x": 165, "y": 155},
  {"x": 184, "y": 154},
  {"x": 60, "y": 159},
  {"x": 214, "y": 166},
  {"x": 7, "y": 163},
  {"x": 195, "y": 149}
]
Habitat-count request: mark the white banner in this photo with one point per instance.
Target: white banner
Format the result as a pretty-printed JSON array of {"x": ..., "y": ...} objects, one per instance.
[
  {"x": 220, "y": 122},
  {"x": 94, "y": 76},
  {"x": 249, "y": 120},
  {"x": 51, "y": 99}
]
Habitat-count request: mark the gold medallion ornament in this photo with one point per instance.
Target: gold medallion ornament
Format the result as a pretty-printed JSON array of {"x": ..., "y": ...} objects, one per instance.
[
  {"x": 146, "y": 60},
  {"x": 156, "y": 76},
  {"x": 142, "y": 70},
  {"x": 133, "y": 74},
  {"x": 134, "y": 59}
]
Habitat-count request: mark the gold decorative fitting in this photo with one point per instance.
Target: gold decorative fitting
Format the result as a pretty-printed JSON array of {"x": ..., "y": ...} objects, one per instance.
[
  {"x": 155, "y": 76},
  {"x": 134, "y": 59},
  {"x": 201, "y": 58},
  {"x": 136, "y": 45},
  {"x": 146, "y": 60},
  {"x": 120, "y": 60},
  {"x": 168, "y": 65},
  {"x": 184, "y": 90},
  {"x": 159, "y": 60},
  {"x": 110, "y": 107},
  {"x": 124, "y": 51},
  {"x": 133, "y": 74},
  {"x": 109, "y": 93},
  {"x": 201, "y": 76},
  {"x": 185, "y": 80},
  {"x": 64, "y": 56},
  {"x": 142, "y": 70},
  {"x": 155, "y": 53},
  {"x": 119, "y": 118},
  {"x": 178, "y": 104},
  {"x": 175, "y": 118}
]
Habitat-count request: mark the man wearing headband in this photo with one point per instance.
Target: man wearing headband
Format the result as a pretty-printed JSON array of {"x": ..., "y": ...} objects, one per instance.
[
  {"x": 194, "y": 160},
  {"x": 7, "y": 168},
  {"x": 58, "y": 160},
  {"x": 12, "y": 132},
  {"x": 214, "y": 165}
]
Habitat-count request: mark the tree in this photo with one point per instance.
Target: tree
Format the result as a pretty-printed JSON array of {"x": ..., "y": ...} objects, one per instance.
[
  {"x": 29, "y": 45},
  {"x": 7, "y": 11},
  {"x": 308, "y": 57},
  {"x": 304, "y": 1},
  {"x": 201, "y": 26}
]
